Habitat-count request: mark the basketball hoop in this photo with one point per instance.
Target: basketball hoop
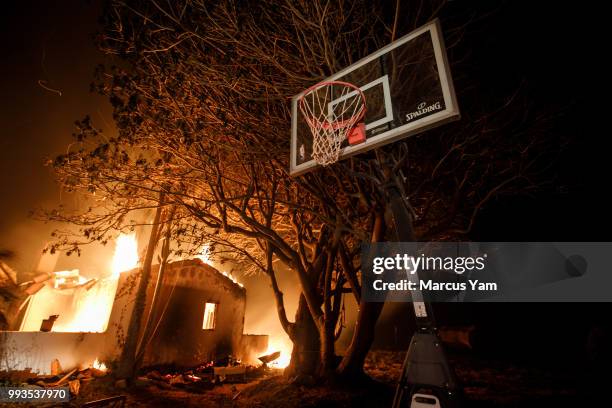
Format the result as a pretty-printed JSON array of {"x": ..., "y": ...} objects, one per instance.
[{"x": 334, "y": 111}]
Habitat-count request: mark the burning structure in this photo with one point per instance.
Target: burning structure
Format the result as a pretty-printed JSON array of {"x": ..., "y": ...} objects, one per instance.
[
  {"x": 193, "y": 314},
  {"x": 198, "y": 316}
]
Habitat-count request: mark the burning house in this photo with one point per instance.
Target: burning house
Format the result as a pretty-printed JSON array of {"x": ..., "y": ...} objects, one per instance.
[
  {"x": 198, "y": 316},
  {"x": 193, "y": 314}
]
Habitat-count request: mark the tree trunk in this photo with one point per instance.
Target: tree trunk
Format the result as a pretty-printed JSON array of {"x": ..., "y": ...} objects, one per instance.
[
  {"x": 128, "y": 364},
  {"x": 278, "y": 294},
  {"x": 153, "y": 316},
  {"x": 327, "y": 329},
  {"x": 328, "y": 355},
  {"x": 305, "y": 357},
  {"x": 351, "y": 365}
]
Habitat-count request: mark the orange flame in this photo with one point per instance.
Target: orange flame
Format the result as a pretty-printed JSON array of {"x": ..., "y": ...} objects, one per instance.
[
  {"x": 82, "y": 307},
  {"x": 94, "y": 306},
  {"x": 126, "y": 254},
  {"x": 282, "y": 344},
  {"x": 205, "y": 256},
  {"x": 99, "y": 365}
]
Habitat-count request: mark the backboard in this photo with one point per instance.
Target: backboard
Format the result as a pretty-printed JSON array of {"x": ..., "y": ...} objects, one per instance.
[{"x": 408, "y": 89}]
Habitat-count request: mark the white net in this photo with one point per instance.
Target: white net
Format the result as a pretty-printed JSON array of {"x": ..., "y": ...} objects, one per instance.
[{"x": 331, "y": 109}]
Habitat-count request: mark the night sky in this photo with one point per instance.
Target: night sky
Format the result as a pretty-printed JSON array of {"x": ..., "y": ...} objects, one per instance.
[{"x": 50, "y": 42}]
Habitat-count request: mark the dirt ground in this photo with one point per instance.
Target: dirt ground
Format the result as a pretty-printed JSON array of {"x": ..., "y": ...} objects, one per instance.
[
  {"x": 486, "y": 384},
  {"x": 491, "y": 383}
]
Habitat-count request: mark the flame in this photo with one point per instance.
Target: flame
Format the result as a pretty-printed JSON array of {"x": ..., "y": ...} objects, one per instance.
[
  {"x": 232, "y": 278},
  {"x": 71, "y": 277},
  {"x": 93, "y": 306},
  {"x": 82, "y": 307},
  {"x": 205, "y": 256},
  {"x": 282, "y": 344},
  {"x": 99, "y": 365},
  {"x": 126, "y": 254}
]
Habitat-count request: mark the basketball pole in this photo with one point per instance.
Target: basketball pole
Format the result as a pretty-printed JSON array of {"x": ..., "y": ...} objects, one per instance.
[{"x": 426, "y": 379}]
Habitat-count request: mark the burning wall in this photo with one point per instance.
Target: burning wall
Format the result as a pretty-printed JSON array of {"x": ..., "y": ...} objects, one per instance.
[
  {"x": 82, "y": 305},
  {"x": 94, "y": 316},
  {"x": 181, "y": 334},
  {"x": 81, "y": 308}
]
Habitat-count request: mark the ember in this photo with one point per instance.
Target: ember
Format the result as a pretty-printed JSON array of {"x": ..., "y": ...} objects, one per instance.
[{"x": 99, "y": 366}]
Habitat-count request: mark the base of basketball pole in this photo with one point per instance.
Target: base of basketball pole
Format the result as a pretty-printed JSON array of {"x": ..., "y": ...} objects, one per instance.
[{"x": 427, "y": 380}]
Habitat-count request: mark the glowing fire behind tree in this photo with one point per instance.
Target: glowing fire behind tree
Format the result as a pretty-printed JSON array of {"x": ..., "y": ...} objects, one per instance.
[
  {"x": 126, "y": 254},
  {"x": 283, "y": 344}
]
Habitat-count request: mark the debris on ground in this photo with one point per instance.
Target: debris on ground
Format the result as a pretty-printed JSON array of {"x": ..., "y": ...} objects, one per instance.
[
  {"x": 73, "y": 379},
  {"x": 486, "y": 383},
  {"x": 203, "y": 377},
  {"x": 56, "y": 367},
  {"x": 268, "y": 358}
]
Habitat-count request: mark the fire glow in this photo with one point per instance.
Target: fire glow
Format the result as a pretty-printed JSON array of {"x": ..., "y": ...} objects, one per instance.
[
  {"x": 126, "y": 254},
  {"x": 82, "y": 305},
  {"x": 231, "y": 277},
  {"x": 283, "y": 345},
  {"x": 98, "y": 301},
  {"x": 205, "y": 256},
  {"x": 99, "y": 365}
]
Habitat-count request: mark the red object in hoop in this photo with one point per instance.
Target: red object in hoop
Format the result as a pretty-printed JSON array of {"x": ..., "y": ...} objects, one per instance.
[
  {"x": 357, "y": 135},
  {"x": 334, "y": 111}
]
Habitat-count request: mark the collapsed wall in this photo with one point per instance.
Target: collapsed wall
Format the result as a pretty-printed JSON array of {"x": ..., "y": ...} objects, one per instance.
[{"x": 198, "y": 316}]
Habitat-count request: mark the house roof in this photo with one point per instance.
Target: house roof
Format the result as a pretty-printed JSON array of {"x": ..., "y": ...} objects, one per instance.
[
  {"x": 197, "y": 265},
  {"x": 194, "y": 272}
]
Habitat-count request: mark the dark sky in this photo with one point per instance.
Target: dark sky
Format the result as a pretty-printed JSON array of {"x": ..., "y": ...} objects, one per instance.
[{"x": 51, "y": 43}]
